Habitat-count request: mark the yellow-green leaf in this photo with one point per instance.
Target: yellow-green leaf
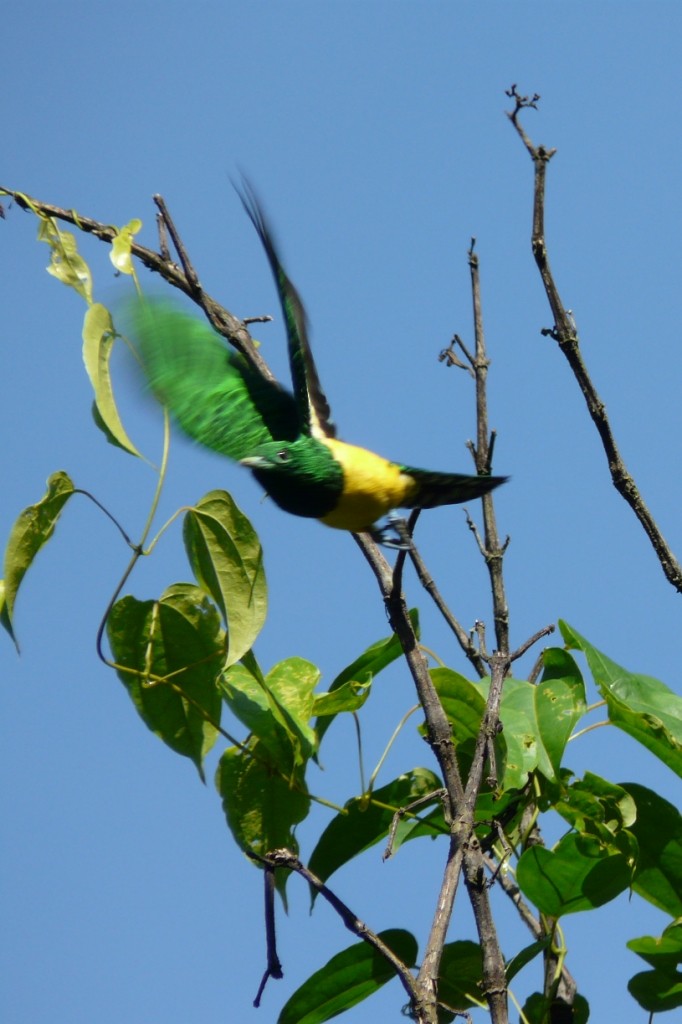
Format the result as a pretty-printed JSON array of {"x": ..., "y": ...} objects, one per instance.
[
  {"x": 261, "y": 806},
  {"x": 169, "y": 654},
  {"x": 227, "y": 561},
  {"x": 120, "y": 248},
  {"x": 276, "y": 709},
  {"x": 66, "y": 263},
  {"x": 33, "y": 528},
  {"x": 98, "y": 339}
]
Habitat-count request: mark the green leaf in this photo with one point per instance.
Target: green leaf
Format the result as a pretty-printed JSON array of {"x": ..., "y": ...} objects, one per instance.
[
  {"x": 459, "y": 978},
  {"x": 578, "y": 874},
  {"x": 559, "y": 704},
  {"x": 348, "y": 978},
  {"x": 98, "y": 339},
  {"x": 121, "y": 247},
  {"x": 362, "y": 671},
  {"x": 559, "y": 664},
  {"x": 660, "y": 989},
  {"x": 348, "y": 697},
  {"x": 276, "y": 709},
  {"x": 642, "y": 706},
  {"x": 493, "y": 809},
  {"x": 519, "y": 749},
  {"x": 227, "y": 561},
  {"x": 658, "y": 831},
  {"x": 169, "y": 654},
  {"x": 292, "y": 682},
  {"x": 537, "y": 1009},
  {"x": 66, "y": 264},
  {"x": 593, "y": 805},
  {"x": 657, "y": 991},
  {"x": 537, "y": 722},
  {"x": 33, "y": 528},
  {"x": 462, "y": 702},
  {"x": 365, "y": 821},
  {"x": 663, "y": 953},
  {"x": 524, "y": 957},
  {"x": 261, "y": 807}
]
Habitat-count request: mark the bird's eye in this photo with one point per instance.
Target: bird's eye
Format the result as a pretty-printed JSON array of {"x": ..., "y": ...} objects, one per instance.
[{"x": 283, "y": 455}]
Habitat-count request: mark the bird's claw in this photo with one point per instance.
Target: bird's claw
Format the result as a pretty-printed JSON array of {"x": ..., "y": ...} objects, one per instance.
[{"x": 393, "y": 534}]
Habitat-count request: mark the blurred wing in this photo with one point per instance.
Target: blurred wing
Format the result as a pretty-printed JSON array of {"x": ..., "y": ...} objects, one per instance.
[
  {"x": 313, "y": 407},
  {"x": 214, "y": 395},
  {"x": 448, "y": 488}
]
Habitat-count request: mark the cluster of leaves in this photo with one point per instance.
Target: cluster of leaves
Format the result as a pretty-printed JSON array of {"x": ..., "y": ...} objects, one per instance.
[{"x": 187, "y": 661}]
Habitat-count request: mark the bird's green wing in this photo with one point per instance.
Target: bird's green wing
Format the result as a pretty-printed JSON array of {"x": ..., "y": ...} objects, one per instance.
[
  {"x": 212, "y": 393},
  {"x": 447, "y": 488},
  {"x": 313, "y": 407}
]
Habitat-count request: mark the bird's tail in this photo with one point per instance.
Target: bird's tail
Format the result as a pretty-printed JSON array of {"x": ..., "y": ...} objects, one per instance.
[{"x": 448, "y": 488}]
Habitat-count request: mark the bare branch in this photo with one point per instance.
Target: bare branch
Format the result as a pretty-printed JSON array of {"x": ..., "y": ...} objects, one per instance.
[
  {"x": 485, "y": 441},
  {"x": 565, "y": 333},
  {"x": 274, "y": 967},
  {"x": 190, "y": 272},
  {"x": 286, "y": 859},
  {"x": 450, "y": 357},
  {"x": 527, "y": 644}
]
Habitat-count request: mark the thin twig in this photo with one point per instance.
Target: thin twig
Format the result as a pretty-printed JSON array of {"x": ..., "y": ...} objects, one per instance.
[
  {"x": 463, "y": 639},
  {"x": 485, "y": 440},
  {"x": 114, "y": 520},
  {"x": 187, "y": 266},
  {"x": 527, "y": 644},
  {"x": 274, "y": 967},
  {"x": 164, "y": 250},
  {"x": 439, "y": 794}
]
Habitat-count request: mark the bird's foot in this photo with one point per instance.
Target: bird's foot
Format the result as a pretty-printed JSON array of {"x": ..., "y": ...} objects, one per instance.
[{"x": 393, "y": 533}]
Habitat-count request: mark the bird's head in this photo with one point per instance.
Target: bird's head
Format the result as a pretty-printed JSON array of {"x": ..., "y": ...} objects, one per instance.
[{"x": 301, "y": 476}]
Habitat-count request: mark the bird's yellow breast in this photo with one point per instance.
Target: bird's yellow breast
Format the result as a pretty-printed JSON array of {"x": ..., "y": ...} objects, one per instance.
[{"x": 372, "y": 486}]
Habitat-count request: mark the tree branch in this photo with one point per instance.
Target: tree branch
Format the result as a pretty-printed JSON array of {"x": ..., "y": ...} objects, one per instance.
[
  {"x": 565, "y": 333},
  {"x": 286, "y": 859},
  {"x": 219, "y": 317},
  {"x": 483, "y": 453}
]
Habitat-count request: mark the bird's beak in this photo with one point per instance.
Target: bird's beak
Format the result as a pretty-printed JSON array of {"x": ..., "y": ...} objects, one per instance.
[{"x": 254, "y": 462}]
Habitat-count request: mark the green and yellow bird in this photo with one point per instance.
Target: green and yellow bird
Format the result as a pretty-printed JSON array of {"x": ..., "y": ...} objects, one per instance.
[{"x": 287, "y": 440}]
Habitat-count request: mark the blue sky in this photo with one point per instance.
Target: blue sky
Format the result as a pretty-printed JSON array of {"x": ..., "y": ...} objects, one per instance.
[{"x": 375, "y": 132}]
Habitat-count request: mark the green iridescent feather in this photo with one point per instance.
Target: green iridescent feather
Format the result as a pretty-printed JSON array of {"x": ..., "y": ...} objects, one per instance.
[{"x": 213, "y": 393}]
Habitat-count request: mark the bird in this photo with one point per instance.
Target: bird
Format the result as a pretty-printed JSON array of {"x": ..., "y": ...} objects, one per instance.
[{"x": 286, "y": 438}]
